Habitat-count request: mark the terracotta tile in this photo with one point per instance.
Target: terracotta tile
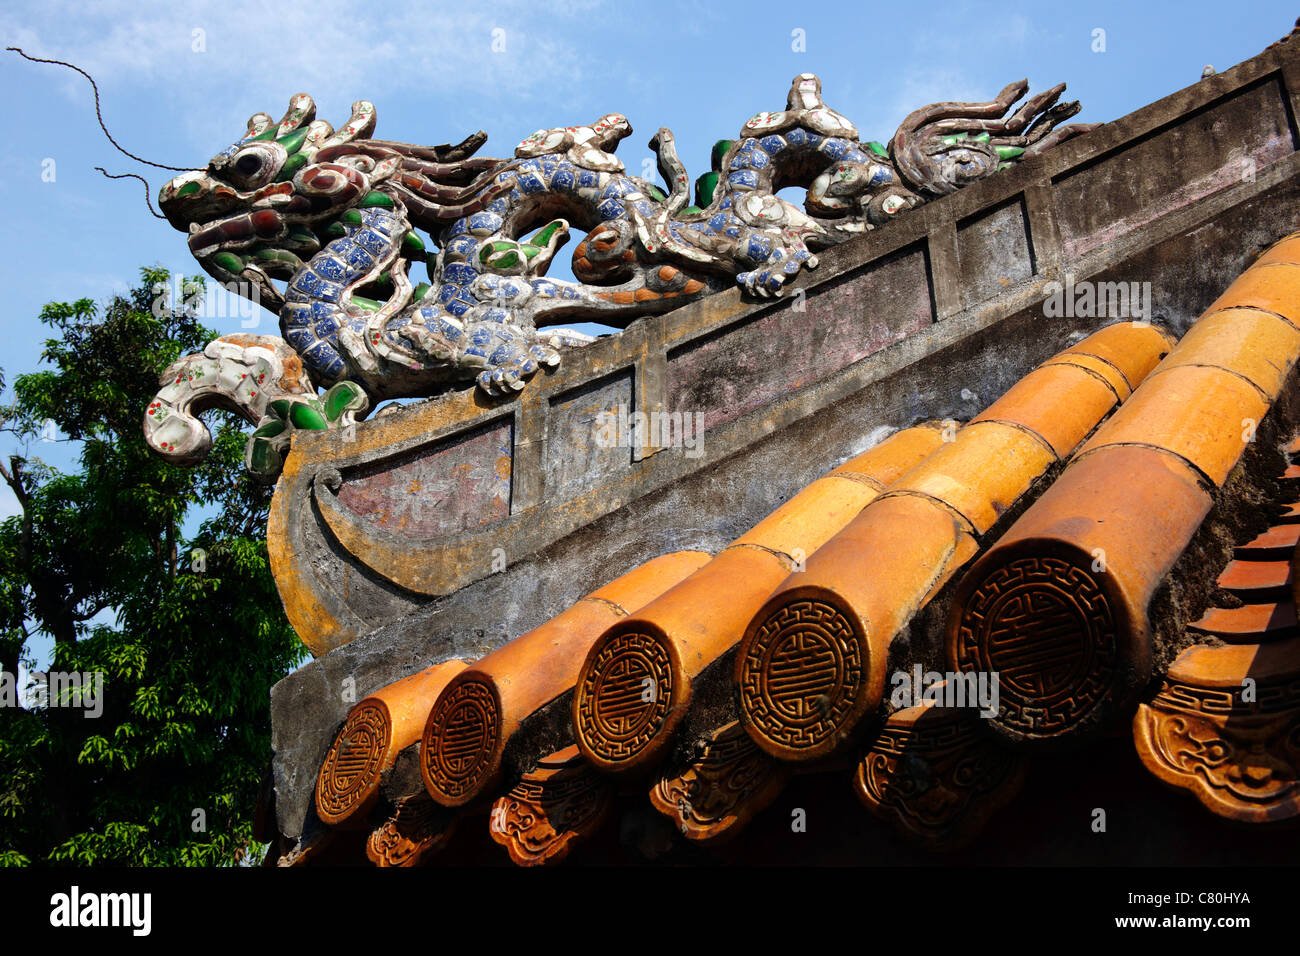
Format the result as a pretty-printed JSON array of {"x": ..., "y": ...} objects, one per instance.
[
  {"x": 1257, "y": 580},
  {"x": 1225, "y": 667},
  {"x": 1286, "y": 250},
  {"x": 348, "y": 781},
  {"x": 1273, "y": 288},
  {"x": 891, "y": 458},
  {"x": 812, "y": 663},
  {"x": 813, "y": 659},
  {"x": 1231, "y": 742},
  {"x": 1058, "y": 607},
  {"x": 934, "y": 777},
  {"x": 1203, "y": 415},
  {"x": 1133, "y": 349},
  {"x": 718, "y": 793},
  {"x": 417, "y": 830},
  {"x": 635, "y": 684},
  {"x": 376, "y": 730},
  {"x": 1259, "y": 346},
  {"x": 1249, "y": 624},
  {"x": 551, "y": 809},
  {"x": 472, "y": 720},
  {"x": 1062, "y": 402},
  {"x": 981, "y": 473},
  {"x": 1287, "y": 514},
  {"x": 1278, "y": 542},
  {"x": 1098, "y": 368},
  {"x": 811, "y": 517},
  {"x": 1294, "y": 560}
]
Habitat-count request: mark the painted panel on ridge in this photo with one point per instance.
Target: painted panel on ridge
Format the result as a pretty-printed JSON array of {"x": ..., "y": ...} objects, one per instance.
[{"x": 455, "y": 485}]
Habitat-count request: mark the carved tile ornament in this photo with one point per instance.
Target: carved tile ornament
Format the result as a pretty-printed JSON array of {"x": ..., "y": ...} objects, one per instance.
[
  {"x": 1225, "y": 725},
  {"x": 550, "y": 809},
  {"x": 935, "y": 777},
  {"x": 337, "y": 215},
  {"x": 718, "y": 793},
  {"x": 417, "y": 830}
]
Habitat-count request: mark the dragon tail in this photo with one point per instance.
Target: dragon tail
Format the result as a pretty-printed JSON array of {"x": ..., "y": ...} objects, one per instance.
[{"x": 240, "y": 373}]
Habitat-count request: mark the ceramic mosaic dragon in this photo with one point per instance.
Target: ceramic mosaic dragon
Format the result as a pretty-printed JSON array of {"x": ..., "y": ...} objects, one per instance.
[{"x": 336, "y": 215}]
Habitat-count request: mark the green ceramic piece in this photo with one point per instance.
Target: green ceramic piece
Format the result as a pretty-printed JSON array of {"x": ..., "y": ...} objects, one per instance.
[
  {"x": 545, "y": 234},
  {"x": 304, "y": 416},
  {"x": 705, "y": 187},
  {"x": 501, "y": 260},
  {"x": 292, "y": 142},
  {"x": 229, "y": 261},
  {"x": 341, "y": 397},
  {"x": 262, "y": 458},
  {"x": 290, "y": 168},
  {"x": 720, "y": 150},
  {"x": 270, "y": 429}
]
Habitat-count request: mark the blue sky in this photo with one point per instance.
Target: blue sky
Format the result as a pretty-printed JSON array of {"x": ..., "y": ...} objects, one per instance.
[{"x": 180, "y": 79}]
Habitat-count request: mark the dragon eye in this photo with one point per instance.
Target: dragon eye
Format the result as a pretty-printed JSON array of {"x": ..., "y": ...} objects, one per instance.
[{"x": 248, "y": 165}]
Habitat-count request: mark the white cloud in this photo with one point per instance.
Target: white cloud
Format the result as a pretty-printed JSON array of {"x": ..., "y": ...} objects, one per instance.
[{"x": 329, "y": 49}]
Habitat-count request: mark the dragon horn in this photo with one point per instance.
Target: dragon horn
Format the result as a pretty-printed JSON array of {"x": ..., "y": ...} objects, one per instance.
[
  {"x": 302, "y": 110},
  {"x": 258, "y": 124},
  {"x": 359, "y": 125}
]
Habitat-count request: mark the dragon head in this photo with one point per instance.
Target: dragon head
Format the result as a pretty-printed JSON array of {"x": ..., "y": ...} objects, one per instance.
[
  {"x": 254, "y": 213},
  {"x": 273, "y": 198}
]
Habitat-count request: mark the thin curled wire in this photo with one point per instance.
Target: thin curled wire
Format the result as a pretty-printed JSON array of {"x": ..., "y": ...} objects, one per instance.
[
  {"x": 147, "y": 188},
  {"x": 116, "y": 145},
  {"x": 99, "y": 116}
]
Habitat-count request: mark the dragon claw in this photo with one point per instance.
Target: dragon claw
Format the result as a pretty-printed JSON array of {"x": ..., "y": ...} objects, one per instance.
[
  {"x": 764, "y": 284},
  {"x": 547, "y": 356},
  {"x": 509, "y": 372}
]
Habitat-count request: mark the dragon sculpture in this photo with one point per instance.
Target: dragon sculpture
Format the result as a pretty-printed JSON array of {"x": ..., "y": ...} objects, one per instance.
[{"x": 337, "y": 215}]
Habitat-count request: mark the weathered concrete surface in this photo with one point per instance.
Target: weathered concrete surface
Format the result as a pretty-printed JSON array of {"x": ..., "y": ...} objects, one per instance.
[{"x": 1187, "y": 245}]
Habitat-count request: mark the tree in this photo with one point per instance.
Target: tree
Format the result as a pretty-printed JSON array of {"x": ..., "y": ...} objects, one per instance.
[{"x": 187, "y": 631}]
